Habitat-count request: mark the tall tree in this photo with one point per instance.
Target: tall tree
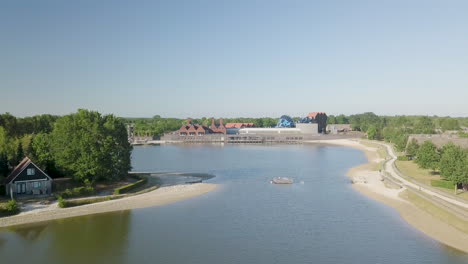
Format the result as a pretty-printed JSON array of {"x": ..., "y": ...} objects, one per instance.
[
  {"x": 454, "y": 164},
  {"x": 428, "y": 156},
  {"x": 91, "y": 147},
  {"x": 412, "y": 148}
]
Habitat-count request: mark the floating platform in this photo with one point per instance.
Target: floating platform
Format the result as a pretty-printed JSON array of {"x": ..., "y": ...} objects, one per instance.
[{"x": 282, "y": 180}]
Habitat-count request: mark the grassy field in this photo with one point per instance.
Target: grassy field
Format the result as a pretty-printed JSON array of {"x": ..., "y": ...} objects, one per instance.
[
  {"x": 436, "y": 211},
  {"x": 411, "y": 169}
]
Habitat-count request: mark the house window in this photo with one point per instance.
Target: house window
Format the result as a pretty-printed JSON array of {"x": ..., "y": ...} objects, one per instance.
[
  {"x": 37, "y": 184},
  {"x": 31, "y": 171}
]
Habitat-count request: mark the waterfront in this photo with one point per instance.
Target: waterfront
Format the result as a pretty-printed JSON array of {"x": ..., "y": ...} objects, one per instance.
[{"x": 319, "y": 219}]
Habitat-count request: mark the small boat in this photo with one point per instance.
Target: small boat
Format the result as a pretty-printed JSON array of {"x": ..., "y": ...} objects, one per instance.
[{"x": 282, "y": 180}]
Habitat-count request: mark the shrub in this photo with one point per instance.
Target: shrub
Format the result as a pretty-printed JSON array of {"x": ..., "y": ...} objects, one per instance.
[
  {"x": 443, "y": 184},
  {"x": 61, "y": 202},
  {"x": 129, "y": 187},
  {"x": 77, "y": 192},
  {"x": 9, "y": 208},
  {"x": 72, "y": 203},
  {"x": 2, "y": 190},
  {"x": 402, "y": 158}
]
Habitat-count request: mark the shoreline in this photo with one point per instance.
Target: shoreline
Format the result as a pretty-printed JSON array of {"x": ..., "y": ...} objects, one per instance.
[
  {"x": 369, "y": 183},
  {"x": 158, "y": 197}
]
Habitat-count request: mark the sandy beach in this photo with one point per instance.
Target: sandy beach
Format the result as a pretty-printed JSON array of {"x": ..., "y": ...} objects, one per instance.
[
  {"x": 161, "y": 196},
  {"x": 369, "y": 183}
]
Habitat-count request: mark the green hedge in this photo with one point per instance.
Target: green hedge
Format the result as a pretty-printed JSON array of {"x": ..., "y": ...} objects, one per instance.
[
  {"x": 62, "y": 203},
  {"x": 9, "y": 208},
  {"x": 77, "y": 192},
  {"x": 129, "y": 187},
  {"x": 443, "y": 184},
  {"x": 2, "y": 190},
  {"x": 402, "y": 158}
]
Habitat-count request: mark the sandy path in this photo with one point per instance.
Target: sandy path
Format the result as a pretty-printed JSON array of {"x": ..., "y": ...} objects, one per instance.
[{"x": 157, "y": 197}]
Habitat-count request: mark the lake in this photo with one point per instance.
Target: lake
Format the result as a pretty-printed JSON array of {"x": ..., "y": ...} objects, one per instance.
[{"x": 318, "y": 219}]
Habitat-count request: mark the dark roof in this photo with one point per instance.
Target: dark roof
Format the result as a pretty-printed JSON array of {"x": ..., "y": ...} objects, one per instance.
[{"x": 19, "y": 168}]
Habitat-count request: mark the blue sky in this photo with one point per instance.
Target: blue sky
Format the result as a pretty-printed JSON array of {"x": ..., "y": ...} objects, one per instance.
[{"x": 234, "y": 58}]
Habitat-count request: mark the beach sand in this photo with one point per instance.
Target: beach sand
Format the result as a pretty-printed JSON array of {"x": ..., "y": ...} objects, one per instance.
[
  {"x": 161, "y": 196},
  {"x": 369, "y": 183}
]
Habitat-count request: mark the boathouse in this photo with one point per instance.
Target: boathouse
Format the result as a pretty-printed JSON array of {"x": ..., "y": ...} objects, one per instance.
[{"x": 28, "y": 179}]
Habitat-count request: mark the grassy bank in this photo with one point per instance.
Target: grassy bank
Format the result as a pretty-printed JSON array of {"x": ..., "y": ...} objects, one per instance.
[
  {"x": 412, "y": 170},
  {"x": 435, "y": 211}
]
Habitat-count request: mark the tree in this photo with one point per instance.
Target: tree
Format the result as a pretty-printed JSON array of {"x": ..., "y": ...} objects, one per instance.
[
  {"x": 454, "y": 164},
  {"x": 4, "y": 168},
  {"x": 424, "y": 125},
  {"x": 372, "y": 133},
  {"x": 412, "y": 148},
  {"x": 19, "y": 154},
  {"x": 428, "y": 156},
  {"x": 91, "y": 147},
  {"x": 331, "y": 119},
  {"x": 342, "y": 119}
]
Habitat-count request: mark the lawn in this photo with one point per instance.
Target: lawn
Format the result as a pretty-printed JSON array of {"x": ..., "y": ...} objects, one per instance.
[{"x": 411, "y": 169}]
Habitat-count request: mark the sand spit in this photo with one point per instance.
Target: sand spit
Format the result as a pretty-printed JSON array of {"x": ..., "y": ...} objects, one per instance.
[{"x": 161, "y": 196}]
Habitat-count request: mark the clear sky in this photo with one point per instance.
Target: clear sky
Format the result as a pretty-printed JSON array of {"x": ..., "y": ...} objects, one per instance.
[{"x": 234, "y": 58}]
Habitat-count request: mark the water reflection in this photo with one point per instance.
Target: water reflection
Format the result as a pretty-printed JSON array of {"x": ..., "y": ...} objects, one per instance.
[{"x": 98, "y": 238}]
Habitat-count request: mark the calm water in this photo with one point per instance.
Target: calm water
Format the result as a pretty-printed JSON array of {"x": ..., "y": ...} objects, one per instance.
[{"x": 247, "y": 220}]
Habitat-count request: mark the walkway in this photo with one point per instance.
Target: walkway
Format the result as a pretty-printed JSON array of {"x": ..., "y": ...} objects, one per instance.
[{"x": 392, "y": 170}]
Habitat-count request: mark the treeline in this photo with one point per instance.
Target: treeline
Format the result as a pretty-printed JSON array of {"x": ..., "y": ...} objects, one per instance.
[
  {"x": 396, "y": 129},
  {"x": 85, "y": 145},
  {"x": 450, "y": 160},
  {"x": 157, "y": 126}
]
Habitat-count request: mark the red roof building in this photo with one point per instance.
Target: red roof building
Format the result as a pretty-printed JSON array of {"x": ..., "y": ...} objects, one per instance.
[{"x": 239, "y": 125}]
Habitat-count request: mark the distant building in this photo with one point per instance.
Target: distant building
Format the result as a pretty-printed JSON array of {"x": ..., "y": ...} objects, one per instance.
[
  {"x": 301, "y": 128},
  {"x": 233, "y": 128},
  {"x": 28, "y": 179},
  {"x": 319, "y": 118},
  {"x": 220, "y": 128},
  {"x": 239, "y": 125},
  {"x": 190, "y": 129},
  {"x": 338, "y": 128}
]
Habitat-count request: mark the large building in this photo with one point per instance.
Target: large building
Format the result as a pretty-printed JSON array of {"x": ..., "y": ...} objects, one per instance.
[
  {"x": 319, "y": 118},
  {"x": 190, "y": 129}
]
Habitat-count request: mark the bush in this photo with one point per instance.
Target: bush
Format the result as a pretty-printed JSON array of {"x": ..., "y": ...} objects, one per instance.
[
  {"x": 77, "y": 192},
  {"x": 402, "y": 158},
  {"x": 443, "y": 184},
  {"x": 9, "y": 208},
  {"x": 129, "y": 187},
  {"x": 61, "y": 202},
  {"x": 72, "y": 203},
  {"x": 2, "y": 190}
]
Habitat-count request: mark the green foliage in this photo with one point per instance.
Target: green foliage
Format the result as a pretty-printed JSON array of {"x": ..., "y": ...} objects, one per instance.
[
  {"x": 463, "y": 134},
  {"x": 449, "y": 124},
  {"x": 402, "y": 158},
  {"x": 90, "y": 146},
  {"x": 9, "y": 208},
  {"x": 77, "y": 192},
  {"x": 454, "y": 164},
  {"x": 72, "y": 203},
  {"x": 372, "y": 133},
  {"x": 129, "y": 187},
  {"x": 442, "y": 184},
  {"x": 428, "y": 156},
  {"x": 423, "y": 125},
  {"x": 412, "y": 148},
  {"x": 4, "y": 169},
  {"x": 61, "y": 202}
]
